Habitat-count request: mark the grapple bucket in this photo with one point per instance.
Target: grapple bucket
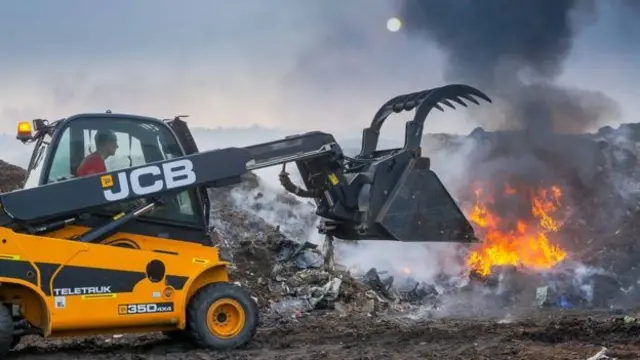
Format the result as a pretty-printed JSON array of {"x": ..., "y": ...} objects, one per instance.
[
  {"x": 419, "y": 208},
  {"x": 399, "y": 196}
]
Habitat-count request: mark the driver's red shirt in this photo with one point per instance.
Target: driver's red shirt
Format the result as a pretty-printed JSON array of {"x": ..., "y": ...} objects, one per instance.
[{"x": 92, "y": 164}]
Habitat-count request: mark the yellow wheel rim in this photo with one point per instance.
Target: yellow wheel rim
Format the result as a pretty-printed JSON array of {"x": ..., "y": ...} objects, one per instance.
[{"x": 225, "y": 318}]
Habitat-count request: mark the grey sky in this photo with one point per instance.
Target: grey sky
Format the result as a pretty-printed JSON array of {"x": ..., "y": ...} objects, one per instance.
[{"x": 296, "y": 64}]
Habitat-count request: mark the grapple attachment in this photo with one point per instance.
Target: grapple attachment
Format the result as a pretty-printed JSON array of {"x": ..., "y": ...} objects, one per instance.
[{"x": 393, "y": 194}]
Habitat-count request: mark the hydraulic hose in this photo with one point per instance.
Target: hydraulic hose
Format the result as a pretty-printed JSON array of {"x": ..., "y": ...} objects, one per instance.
[{"x": 289, "y": 186}]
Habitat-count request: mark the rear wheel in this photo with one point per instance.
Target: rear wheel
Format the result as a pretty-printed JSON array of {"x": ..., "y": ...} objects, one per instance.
[
  {"x": 222, "y": 316},
  {"x": 6, "y": 331}
]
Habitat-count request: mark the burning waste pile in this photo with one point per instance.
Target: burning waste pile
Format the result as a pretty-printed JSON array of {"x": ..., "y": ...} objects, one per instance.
[{"x": 553, "y": 232}]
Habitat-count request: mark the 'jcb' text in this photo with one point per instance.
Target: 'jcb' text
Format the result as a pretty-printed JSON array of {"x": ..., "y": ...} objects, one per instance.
[
  {"x": 82, "y": 290},
  {"x": 159, "y": 177}
]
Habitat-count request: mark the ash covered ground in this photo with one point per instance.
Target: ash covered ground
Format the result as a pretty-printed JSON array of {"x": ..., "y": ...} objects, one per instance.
[{"x": 410, "y": 306}]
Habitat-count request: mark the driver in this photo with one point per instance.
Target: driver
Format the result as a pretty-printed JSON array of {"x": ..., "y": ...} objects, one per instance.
[
  {"x": 106, "y": 145},
  {"x": 94, "y": 163}
]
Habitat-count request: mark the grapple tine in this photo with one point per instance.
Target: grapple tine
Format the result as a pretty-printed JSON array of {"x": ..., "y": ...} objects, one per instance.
[
  {"x": 423, "y": 102},
  {"x": 479, "y": 94},
  {"x": 446, "y": 102},
  {"x": 470, "y": 98},
  {"x": 454, "y": 98}
]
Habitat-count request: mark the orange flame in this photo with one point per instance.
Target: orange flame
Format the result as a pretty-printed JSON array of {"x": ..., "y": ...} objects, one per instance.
[{"x": 523, "y": 244}]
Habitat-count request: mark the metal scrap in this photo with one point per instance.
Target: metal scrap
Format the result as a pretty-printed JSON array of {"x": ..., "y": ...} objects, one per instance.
[{"x": 601, "y": 355}]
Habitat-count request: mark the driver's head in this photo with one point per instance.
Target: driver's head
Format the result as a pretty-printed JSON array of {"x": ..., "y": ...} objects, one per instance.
[{"x": 106, "y": 142}]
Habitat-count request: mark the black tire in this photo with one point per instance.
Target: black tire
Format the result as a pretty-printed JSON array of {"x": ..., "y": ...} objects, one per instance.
[
  {"x": 6, "y": 331},
  {"x": 237, "y": 300}
]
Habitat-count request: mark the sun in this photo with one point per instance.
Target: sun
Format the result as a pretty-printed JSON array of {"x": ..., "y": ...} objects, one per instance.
[{"x": 394, "y": 24}]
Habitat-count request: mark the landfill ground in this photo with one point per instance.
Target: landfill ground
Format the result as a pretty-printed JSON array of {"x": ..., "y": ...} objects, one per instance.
[{"x": 551, "y": 334}]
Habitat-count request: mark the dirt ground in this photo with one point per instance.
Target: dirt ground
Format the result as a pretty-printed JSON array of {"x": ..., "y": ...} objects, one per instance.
[{"x": 546, "y": 335}]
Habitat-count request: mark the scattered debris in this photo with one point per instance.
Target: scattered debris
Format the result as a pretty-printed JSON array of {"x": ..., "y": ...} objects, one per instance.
[{"x": 601, "y": 355}]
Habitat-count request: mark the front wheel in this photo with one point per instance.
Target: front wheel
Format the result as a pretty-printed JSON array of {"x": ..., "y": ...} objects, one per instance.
[{"x": 222, "y": 316}]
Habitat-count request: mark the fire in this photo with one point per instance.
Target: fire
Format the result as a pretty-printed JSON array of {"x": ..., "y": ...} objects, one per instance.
[{"x": 522, "y": 242}]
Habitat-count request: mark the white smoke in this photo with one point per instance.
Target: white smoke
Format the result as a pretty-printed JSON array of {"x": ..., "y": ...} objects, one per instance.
[
  {"x": 581, "y": 279},
  {"x": 422, "y": 262},
  {"x": 622, "y": 147},
  {"x": 296, "y": 219}
]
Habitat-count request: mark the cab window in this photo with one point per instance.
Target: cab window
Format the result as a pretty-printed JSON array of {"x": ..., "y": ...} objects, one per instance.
[
  {"x": 34, "y": 170},
  {"x": 59, "y": 169},
  {"x": 137, "y": 142}
]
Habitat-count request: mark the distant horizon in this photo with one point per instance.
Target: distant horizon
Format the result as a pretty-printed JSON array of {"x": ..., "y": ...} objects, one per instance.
[{"x": 358, "y": 135}]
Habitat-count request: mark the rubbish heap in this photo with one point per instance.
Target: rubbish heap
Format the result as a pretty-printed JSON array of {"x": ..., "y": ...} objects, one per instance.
[
  {"x": 288, "y": 276},
  {"x": 11, "y": 177}
]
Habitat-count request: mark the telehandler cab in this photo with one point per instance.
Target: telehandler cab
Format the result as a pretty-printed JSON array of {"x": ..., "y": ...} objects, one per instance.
[{"x": 161, "y": 271}]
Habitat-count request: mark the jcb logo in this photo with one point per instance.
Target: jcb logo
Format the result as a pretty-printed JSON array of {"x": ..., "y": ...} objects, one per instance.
[{"x": 167, "y": 176}]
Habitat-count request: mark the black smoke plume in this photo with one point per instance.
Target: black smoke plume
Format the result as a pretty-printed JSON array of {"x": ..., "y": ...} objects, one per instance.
[{"x": 515, "y": 50}]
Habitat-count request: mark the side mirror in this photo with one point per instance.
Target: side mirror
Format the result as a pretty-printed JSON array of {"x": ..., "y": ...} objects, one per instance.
[
  {"x": 39, "y": 124},
  {"x": 24, "y": 131}
]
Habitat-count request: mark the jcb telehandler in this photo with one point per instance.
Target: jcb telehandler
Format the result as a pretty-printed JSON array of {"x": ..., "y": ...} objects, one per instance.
[{"x": 128, "y": 250}]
